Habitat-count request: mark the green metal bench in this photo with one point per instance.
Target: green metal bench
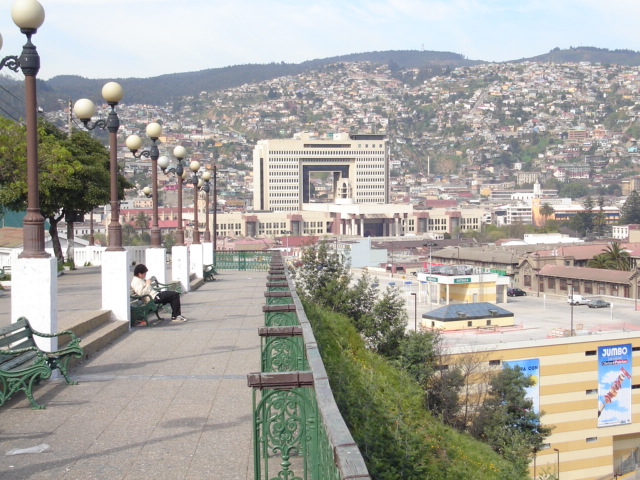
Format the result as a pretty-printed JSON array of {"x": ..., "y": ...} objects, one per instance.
[
  {"x": 5, "y": 272},
  {"x": 23, "y": 364},
  {"x": 209, "y": 271},
  {"x": 140, "y": 309},
  {"x": 160, "y": 287}
]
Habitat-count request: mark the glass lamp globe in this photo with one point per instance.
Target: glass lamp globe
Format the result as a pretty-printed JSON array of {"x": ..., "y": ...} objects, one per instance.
[
  {"x": 112, "y": 92},
  {"x": 194, "y": 166},
  {"x": 27, "y": 14},
  {"x": 185, "y": 174},
  {"x": 206, "y": 175},
  {"x": 163, "y": 162},
  {"x": 180, "y": 152},
  {"x": 0, "y": 41},
  {"x": 133, "y": 142},
  {"x": 200, "y": 183},
  {"x": 84, "y": 109},
  {"x": 147, "y": 191},
  {"x": 154, "y": 130}
]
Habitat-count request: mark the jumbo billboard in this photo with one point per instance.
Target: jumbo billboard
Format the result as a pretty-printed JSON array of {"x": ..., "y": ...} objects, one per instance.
[{"x": 614, "y": 385}]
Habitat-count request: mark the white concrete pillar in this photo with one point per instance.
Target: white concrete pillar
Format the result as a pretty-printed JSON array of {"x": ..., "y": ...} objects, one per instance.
[
  {"x": 207, "y": 253},
  {"x": 362, "y": 227},
  {"x": 353, "y": 227},
  {"x": 116, "y": 284},
  {"x": 195, "y": 258},
  {"x": 397, "y": 227},
  {"x": 34, "y": 295},
  {"x": 156, "y": 262},
  {"x": 180, "y": 266}
]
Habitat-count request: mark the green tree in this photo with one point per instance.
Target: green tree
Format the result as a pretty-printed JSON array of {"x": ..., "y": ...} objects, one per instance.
[
  {"x": 573, "y": 190},
  {"x": 141, "y": 221},
  {"x": 599, "y": 261},
  {"x": 384, "y": 328},
  {"x": 600, "y": 219},
  {"x": 507, "y": 421},
  {"x": 73, "y": 173},
  {"x": 546, "y": 211},
  {"x": 322, "y": 277},
  {"x": 617, "y": 257},
  {"x": 630, "y": 211},
  {"x": 587, "y": 214}
]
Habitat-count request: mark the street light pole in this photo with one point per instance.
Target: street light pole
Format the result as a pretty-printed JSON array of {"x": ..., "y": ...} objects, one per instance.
[
  {"x": 557, "y": 462},
  {"x": 179, "y": 152},
  {"x": 415, "y": 311},
  {"x": 134, "y": 142},
  {"x": 206, "y": 176},
  {"x": 194, "y": 166},
  {"x": 29, "y": 16},
  {"x": 215, "y": 213},
  {"x": 85, "y": 109}
]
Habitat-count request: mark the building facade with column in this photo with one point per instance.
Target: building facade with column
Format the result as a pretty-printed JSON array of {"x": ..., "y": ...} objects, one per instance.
[{"x": 357, "y": 168}]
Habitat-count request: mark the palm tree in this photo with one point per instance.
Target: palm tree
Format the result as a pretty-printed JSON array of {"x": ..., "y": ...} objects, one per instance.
[
  {"x": 141, "y": 221},
  {"x": 546, "y": 211},
  {"x": 618, "y": 257},
  {"x": 599, "y": 261}
]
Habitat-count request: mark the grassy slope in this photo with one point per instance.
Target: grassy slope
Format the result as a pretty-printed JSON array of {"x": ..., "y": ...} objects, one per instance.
[{"x": 383, "y": 408}]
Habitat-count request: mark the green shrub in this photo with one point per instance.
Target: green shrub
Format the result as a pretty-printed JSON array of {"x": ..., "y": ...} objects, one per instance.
[{"x": 384, "y": 410}]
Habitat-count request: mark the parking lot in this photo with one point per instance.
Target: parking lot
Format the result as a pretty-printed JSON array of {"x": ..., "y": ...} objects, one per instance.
[{"x": 535, "y": 317}]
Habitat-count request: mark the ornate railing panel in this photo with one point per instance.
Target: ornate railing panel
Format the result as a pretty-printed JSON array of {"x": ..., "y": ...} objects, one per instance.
[
  {"x": 254, "y": 261},
  {"x": 299, "y": 433}
]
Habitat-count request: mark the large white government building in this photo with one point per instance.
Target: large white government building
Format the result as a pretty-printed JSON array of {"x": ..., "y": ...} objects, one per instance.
[
  {"x": 352, "y": 173},
  {"x": 357, "y": 164}
]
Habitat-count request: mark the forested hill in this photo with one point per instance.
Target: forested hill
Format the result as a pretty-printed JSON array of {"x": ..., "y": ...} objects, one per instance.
[{"x": 589, "y": 54}]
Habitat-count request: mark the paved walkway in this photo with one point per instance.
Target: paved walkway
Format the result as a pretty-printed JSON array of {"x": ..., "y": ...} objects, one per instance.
[{"x": 167, "y": 402}]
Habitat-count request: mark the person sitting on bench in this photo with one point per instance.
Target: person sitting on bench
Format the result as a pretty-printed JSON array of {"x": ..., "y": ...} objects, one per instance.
[{"x": 142, "y": 286}]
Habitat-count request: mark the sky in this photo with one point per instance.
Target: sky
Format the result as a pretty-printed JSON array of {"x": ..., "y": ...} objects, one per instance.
[{"x": 111, "y": 39}]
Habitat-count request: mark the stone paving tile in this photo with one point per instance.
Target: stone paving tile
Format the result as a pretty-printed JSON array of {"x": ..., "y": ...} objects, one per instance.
[{"x": 168, "y": 402}]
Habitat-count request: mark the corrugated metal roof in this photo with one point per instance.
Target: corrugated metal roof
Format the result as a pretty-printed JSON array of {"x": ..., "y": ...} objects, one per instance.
[{"x": 586, "y": 273}]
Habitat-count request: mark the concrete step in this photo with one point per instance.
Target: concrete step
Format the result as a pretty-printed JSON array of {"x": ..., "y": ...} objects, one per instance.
[
  {"x": 94, "y": 327},
  {"x": 101, "y": 336},
  {"x": 195, "y": 282}
]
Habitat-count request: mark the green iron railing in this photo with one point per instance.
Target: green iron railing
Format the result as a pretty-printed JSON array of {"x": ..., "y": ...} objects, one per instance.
[
  {"x": 298, "y": 431},
  {"x": 254, "y": 261}
]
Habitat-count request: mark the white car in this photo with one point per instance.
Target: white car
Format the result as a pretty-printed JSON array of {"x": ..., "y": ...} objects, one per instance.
[{"x": 576, "y": 299}]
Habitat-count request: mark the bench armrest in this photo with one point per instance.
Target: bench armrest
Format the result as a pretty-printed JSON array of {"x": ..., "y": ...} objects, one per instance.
[
  {"x": 73, "y": 342},
  {"x": 15, "y": 351}
]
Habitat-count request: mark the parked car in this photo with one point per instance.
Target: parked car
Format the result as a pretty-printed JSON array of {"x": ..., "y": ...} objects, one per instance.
[
  {"x": 516, "y": 292},
  {"x": 597, "y": 303},
  {"x": 576, "y": 299}
]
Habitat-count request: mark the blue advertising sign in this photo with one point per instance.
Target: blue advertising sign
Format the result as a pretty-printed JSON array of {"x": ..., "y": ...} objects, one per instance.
[
  {"x": 530, "y": 368},
  {"x": 614, "y": 385}
]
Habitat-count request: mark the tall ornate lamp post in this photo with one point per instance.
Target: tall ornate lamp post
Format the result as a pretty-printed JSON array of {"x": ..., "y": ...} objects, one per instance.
[
  {"x": 29, "y": 16},
  {"x": 34, "y": 272},
  {"x": 179, "y": 152},
  {"x": 116, "y": 259},
  {"x": 215, "y": 214},
  {"x": 134, "y": 143},
  {"x": 194, "y": 166},
  {"x": 179, "y": 252},
  {"x": 196, "y": 251},
  {"x": 156, "y": 255},
  {"x": 85, "y": 109},
  {"x": 206, "y": 176}
]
